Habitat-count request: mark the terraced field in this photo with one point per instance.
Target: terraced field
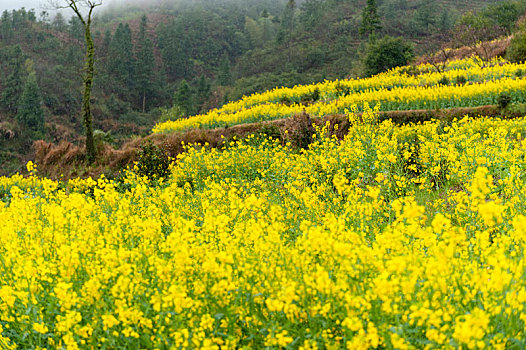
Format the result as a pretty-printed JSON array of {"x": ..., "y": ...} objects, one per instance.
[{"x": 464, "y": 83}]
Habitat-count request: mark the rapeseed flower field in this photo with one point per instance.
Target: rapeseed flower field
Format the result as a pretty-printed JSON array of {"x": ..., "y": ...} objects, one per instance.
[
  {"x": 463, "y": 83},
  {"x": 396, "y": 237}
]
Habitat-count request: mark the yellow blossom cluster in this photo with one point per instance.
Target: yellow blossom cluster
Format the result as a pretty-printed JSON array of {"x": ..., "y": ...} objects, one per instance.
[
  {"x": 405, "y": 88},
  {"x": 396, "y": 237}
]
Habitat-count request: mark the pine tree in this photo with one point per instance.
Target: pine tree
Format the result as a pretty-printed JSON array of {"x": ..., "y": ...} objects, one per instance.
[
  {"x": 183, "y": 98},
  {"x": 287, "y": 23},
  {"x": 6, "y": 29},
  {"x": 75, "y": 28},
  {"x": 59, "y": 23},
  {"x": 121, "y": 63},
  {"x": 203, "y": 90},
  {"x": 175, "y": 47},
  {"x": 145, "y": 64},
  {"x": 15, "y": 80},
  {"x": 224, "y": 77},
  {"x": 265, "y": 18},
  {"x": 370, "y": 19},
  {"x": 30, "y": 112}
]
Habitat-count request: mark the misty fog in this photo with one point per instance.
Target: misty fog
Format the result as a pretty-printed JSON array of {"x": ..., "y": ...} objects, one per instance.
[{"x": 40, "y": 5}]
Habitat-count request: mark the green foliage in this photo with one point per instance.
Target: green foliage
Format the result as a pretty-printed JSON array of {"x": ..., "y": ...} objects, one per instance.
[
  {"x": 387, "y": 53},
  {"x": 121, "y": 63},
  {"x": 474, "y": 31},
  {"x": 100, "y": 138},
  {"x": 202, "y": 91},
  {"x": 503, "y": 100},
  {"x": 153, "y": 162},
  {"x": 287, "y": 23},
  {"x": 6, "y": 30},
  {"x": 517, "y": 110},
  {"x": 444, "y": 80},
  {"x": 14, "y": 83},
  {"x": 145, "y": 67},
  {"x": 173, "y": 113},
  {"x": 516, "y": 52},
  {"x": 224, "y": 77},
  {"x": 312, "y": 12},
  {"x": 183, "y": 98},
  {"x": 504, "y": 14},
  {"x": 426, "y": 17},
  {"x": 30, "y": 112},
  {"x": 370, "y": 20},
  {"x": 461, "y": 80},
  {"x": 311, "y": 96}
]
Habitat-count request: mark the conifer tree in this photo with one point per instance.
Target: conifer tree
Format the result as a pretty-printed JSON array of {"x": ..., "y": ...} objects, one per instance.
[
  {"x": 287, "y": 23},
  {"x": 265, "y": 18},
  {"x": 224, "y": 77},
  {"x": 30, "y": 112},
  {"x": 120, "y": 60},
  {"x": 203, "y": 90},
  {"x": 59, "y": 23},
  {"x": 183, "y": 98},
  {"x": 175, "y": 47},
  {"x": 145, "y": 64},
  {"x": 13, "y": 84},
  {"x": 370, "y": 19},
  {"x": 6, "y": 30}
]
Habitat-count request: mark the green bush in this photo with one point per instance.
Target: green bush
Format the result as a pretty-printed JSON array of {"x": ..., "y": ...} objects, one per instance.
[
  {"x": 153, "y": 162},
  {"x": 387, "y": 53},
  {"x": 444, "y": 80},
  {"x": 461, "y": 80},
  {"x": 516, "y": 52},
  {"x": 503, "y": 100}
]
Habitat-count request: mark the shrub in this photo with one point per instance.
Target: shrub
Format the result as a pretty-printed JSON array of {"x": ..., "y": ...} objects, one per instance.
[
  {"x": 153, "y": 162},
  {"x": 387, "y": 53},
  {"x": 461, "y": 80},
  {"x": 311, "y": 96},
  {"x": 503, "y": 100},
  {"x": 516, "y": 52},
  {"x": 100, "y": 138},
  {"x": 444, "y": 80}
]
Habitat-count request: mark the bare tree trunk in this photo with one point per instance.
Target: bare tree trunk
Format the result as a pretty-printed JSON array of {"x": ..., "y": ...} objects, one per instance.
[{"x": 86, "y": 103}]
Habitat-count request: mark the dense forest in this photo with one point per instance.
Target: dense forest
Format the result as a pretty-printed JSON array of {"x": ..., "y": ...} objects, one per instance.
[{"x": 188, "y": 57}]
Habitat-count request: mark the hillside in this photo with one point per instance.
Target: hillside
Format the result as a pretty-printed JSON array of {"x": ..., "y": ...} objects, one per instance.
[{"x": 185, "y": 59}]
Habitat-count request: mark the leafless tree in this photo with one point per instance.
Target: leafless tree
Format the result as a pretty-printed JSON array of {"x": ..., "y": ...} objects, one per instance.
[
  {"x": 438, "y": 50},
  {"x": 83, "y": 9}
]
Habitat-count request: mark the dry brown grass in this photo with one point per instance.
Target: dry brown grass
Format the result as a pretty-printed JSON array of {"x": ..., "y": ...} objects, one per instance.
[{"x": 495, "y": 48}]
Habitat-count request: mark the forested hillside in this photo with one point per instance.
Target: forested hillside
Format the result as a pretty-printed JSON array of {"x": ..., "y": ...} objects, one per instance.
[{"x": 191, "y": 56}]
